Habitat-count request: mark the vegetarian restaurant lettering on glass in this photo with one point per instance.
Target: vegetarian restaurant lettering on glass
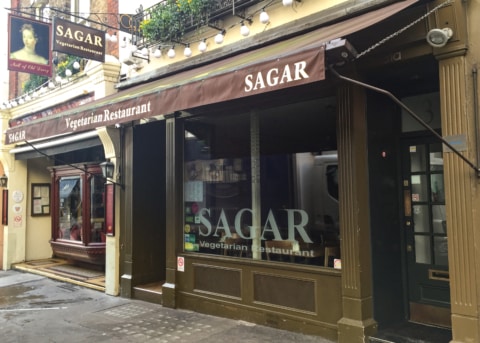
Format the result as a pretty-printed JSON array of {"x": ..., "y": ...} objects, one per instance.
[{"x": 283, "y": 208}]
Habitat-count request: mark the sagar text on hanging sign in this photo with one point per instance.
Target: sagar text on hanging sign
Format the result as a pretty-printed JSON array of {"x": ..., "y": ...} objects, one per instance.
[{"x": 78, "y": 40}]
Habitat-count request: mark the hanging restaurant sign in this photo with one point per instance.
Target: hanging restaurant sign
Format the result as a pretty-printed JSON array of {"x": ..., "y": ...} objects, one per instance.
[
  {"x": 78, "y": 40},
  {"x": 29, "y": 46}
]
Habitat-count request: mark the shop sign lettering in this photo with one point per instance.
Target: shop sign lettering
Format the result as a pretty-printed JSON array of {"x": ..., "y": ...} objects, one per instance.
[
  {"x": 276, "y": 76},
  {"x": 108, "y": 116},
  {"x": 222, "y": 226},
  {"x": 78, "y": 40},
  {"x": 16, "y": 136},
  {"x": 79, "y": 36}
]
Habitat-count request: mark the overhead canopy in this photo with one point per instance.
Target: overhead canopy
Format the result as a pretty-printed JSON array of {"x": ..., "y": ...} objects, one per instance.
[
  {"x": 57, "y": 145},
  {"x": 291, "y": 62}
]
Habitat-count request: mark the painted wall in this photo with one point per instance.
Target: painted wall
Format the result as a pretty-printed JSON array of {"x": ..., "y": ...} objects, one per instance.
[{"x": 38, "y": 229}]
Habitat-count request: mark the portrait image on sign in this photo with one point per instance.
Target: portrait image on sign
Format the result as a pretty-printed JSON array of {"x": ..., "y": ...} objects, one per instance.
[{"x": 29, "y": 47}]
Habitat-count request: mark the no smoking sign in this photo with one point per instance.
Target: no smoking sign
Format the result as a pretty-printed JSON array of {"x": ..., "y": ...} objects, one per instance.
[{"x": 181, "y": 263}]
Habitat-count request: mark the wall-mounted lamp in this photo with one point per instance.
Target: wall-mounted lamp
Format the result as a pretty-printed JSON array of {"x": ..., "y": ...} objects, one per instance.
[
  {"x": 439, "y": 37},
  {"x": 3, "y": 181},
  {"x": 108, "y": 168}
]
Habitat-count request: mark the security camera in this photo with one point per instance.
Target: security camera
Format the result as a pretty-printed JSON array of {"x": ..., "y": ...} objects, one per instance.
[{"x": 438, "y": 38}]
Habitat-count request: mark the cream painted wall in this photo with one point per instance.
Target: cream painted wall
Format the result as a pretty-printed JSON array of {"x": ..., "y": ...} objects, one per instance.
[{"x": 38, "y": 229}]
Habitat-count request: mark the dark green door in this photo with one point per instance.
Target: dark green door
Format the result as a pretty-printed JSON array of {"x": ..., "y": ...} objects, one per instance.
[{"x": 425, "y": 227}]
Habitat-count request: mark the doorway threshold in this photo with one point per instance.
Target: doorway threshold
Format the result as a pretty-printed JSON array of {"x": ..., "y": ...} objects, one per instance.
[
  {"x": 63, "y": 270},
  {"x": 151, "y": 292},
  {"x": 409, "y": 332}
]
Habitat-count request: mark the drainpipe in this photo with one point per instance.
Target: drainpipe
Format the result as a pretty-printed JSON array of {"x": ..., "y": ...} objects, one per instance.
[{"x": 414, "y": 116}]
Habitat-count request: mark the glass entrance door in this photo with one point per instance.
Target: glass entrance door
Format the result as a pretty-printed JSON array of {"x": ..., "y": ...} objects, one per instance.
[{"x": 425, "y": 227}]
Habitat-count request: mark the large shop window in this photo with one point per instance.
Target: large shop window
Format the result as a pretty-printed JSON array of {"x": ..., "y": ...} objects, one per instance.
[{"x": 264, "y": 186}]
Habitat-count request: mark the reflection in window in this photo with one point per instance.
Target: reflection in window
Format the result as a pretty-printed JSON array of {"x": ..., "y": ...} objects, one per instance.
[
  {"x": 418, "y": 158},
  {"x": 97, "y": 215},
  {"x": 422, "y": 249},
  {"x": 70, "y": 210},
  {"x": 281, "y": 205}
]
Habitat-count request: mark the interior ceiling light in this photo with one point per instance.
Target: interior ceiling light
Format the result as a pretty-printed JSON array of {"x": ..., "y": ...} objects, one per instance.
[{"x": 439, "y": 37}]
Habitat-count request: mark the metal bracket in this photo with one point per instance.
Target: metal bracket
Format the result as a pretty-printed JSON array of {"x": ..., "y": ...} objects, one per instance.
[{"x": 414, "y": 116}]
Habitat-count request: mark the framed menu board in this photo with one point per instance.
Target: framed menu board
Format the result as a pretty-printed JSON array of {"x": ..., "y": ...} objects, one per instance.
[{"x": 40, "y": 199}]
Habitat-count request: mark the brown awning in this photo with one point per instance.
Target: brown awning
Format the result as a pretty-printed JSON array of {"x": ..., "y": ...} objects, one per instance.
[{"x": 289, "y": 63}]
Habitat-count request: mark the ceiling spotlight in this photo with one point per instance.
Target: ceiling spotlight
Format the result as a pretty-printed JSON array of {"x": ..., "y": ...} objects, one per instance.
[
  {"x": 264, "y": 17},
  {"x": 202, "y": 46},
  {"x": 439, "y": 37}
]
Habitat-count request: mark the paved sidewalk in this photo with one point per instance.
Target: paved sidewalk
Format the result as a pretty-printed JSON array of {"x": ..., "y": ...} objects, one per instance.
[{"x": 37, "y": 309}]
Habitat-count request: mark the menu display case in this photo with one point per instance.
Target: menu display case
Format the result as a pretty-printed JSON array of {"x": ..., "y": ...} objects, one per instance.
[{"x": 78, "y": 213}]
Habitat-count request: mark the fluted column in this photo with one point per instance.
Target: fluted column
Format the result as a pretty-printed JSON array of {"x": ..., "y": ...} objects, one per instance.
[
  {"x": 357, "y": 322},
  {"x": 462, "y": 205},
  {"x": 174, "y": 186}
]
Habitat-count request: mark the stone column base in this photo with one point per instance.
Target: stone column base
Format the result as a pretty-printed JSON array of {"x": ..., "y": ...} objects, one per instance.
[{"x": 355, "y": 331}]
